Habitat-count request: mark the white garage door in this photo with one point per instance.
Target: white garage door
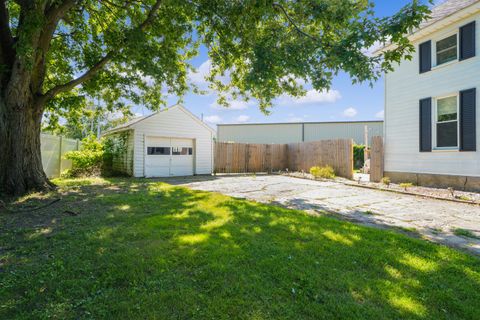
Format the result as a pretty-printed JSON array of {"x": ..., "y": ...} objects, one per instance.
[{"x": 165, "y": 157}]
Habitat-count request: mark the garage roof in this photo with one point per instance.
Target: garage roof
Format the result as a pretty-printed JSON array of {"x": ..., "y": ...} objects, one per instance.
[{"x": 128, "y": 125}]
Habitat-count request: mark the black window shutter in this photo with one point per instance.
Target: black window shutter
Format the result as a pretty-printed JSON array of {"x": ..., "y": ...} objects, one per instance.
[
  {"x": 426, "y": 125},
  {"x": 425, "y": 56},
  {"x": 467, "y": 41},
  {"x": 468, "y": 133}
]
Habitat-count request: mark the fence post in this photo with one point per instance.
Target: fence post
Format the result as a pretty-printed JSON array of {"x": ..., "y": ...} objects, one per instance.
[
  {"x": 60, "y": 155},
  {"x": 376, "y": 159},
  {"x": 247, "y": 156}
]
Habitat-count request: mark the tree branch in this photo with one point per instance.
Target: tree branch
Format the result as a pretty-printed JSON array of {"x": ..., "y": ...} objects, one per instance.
[
  {"x": 6, "y": 38},
  {"x": 100, "y": 64},
  {"x": 53, "y": 14},
  {"x": 299, "y": 30},
  {"x": 84, "y": 77}
]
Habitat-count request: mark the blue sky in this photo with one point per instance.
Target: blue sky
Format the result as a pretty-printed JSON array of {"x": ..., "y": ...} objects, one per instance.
[{"x": 344, "y": 102}]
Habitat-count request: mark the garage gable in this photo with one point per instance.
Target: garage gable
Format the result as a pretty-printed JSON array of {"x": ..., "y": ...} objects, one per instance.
[
  {"x": 173, "y": 115},
  {"x": 172, "y": 142}
]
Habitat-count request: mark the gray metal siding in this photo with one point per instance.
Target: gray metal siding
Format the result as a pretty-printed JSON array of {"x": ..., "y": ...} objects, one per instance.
[
  {"x": 296, "y": 132},
  {"x": 353, "y": 130},
  {"x": 263, "y": 133}
]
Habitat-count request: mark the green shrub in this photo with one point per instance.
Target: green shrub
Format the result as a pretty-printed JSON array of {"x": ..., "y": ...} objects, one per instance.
[
  {"x": 325, "y": 172},
  {"x": 358, "y": 156},
  {"x": 113, "y": 146},
  {"x": 406, "y": 185},
  {"x": 386, "y": 181},
  {"x": 87, "y": 161}
]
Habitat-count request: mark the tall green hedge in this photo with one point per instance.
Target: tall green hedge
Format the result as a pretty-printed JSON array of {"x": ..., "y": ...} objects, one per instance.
[{"x": 358, "y": 156}]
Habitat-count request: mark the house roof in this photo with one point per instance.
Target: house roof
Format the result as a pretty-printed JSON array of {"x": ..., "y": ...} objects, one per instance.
[
  {"x": 128, "y": 125},
  {"x": 445, "y": 9},
  {"x": 438, "y": 13}
]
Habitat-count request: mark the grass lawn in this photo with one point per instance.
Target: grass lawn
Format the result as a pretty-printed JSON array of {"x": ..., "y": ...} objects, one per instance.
[{"x": 138, "y": 249}]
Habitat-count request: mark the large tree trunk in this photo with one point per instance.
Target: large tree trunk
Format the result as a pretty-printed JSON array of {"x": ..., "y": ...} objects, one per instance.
[{"x": 21, "y": 169}]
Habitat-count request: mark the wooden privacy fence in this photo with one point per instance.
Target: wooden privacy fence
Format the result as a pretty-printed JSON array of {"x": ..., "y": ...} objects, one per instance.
[
  {"x": 245, "y": 157},
  {"x": 336, "y": 153},
  {"x": 376, "y": 159}
]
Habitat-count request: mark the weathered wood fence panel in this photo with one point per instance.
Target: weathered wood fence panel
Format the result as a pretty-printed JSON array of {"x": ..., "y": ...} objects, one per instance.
[
  {"x": 243, "y": 158},
  {"x": 376, "y": 159},
  {"x": 336, "y": 153}
]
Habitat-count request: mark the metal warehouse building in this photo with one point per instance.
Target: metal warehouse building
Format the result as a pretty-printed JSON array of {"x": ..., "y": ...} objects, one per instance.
[{"x": 298, "y": 132}]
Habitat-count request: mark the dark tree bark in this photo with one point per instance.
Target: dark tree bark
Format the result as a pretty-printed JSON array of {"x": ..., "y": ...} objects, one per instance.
[
  {"x": 21, "y": 167},
  {"x": 22, "y": 96}
]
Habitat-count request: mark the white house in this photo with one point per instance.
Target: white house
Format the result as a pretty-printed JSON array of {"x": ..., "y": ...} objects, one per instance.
[
  {"x": 431, "y": 116},
  {"x": 170, "y": 142}
]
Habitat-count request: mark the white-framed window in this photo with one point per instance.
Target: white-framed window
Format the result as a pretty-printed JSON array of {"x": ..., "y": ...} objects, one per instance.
[
  {"x": 158, "y": 151},
  {"x": 446, "y": 122},
  {"x": 182, "y": 151},
  {"x": 446, "y": 49}
]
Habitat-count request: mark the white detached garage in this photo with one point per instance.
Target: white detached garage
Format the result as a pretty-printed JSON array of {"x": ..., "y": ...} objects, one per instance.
[{"x": 170, "y": 142}]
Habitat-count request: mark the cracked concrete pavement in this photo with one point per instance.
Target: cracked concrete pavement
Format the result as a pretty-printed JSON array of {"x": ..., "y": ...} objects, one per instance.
[{"x": 431, "y": 218}]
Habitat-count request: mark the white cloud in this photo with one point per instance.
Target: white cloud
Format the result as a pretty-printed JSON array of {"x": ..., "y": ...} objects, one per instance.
[
  {"x": 350, "y": 112},
  {"x": 242, "y": 118},
  {"x": 213, "y": 119},
  {"x": 198, "y": 77},
  {"x": 312, "y": 96},
  {"x": 380, "y": 114}
]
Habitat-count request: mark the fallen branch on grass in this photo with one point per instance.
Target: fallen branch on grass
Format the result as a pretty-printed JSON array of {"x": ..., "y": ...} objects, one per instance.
[{"x": 3, "y": 206}]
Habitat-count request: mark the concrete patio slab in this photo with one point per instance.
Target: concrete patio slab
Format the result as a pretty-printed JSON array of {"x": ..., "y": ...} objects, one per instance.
[{"x": 432, "y": 219}]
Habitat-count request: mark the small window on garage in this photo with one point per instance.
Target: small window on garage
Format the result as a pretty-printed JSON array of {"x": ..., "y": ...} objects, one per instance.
[
  {"x": 155, "y": 151},
  {"x": 182, "y": 151},
  {"x": 447, "y": 122},
  {"x": 447, "y": 50}
]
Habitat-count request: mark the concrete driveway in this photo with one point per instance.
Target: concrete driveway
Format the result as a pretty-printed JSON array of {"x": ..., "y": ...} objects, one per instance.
[{"x": 433, "y": 219}]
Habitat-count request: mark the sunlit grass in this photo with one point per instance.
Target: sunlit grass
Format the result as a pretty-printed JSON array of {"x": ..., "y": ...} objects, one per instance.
[{"x": 141, "y": 249}]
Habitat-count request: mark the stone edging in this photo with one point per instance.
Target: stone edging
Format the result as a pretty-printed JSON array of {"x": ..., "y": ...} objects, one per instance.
[{"x": 387, "y": 190}]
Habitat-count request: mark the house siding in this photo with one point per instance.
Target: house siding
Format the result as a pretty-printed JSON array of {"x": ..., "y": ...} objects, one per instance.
[
  {"x": 174, "y": 123},
  {"x": 123, "y": 162},
  {"x": 405, "y": 87}
]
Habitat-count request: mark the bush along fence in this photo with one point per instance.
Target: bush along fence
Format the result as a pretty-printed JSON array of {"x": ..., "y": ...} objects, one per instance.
[
  {"x": 53, "y": 149},
  {"x": 250, "y": 158}
]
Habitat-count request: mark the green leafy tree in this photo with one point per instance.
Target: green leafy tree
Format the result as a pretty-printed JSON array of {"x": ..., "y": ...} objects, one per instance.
[
  {"x": 53, "y": 51},
  {"x": 86, "y": 117}
]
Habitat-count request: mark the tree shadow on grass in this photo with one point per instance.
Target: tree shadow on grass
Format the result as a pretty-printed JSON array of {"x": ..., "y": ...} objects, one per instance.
[{"x": 153, "y": 250}]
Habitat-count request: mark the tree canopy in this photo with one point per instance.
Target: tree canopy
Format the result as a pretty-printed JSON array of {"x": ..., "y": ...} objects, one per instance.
[
  {"x": 54, "y": 54},
  {"x": 139, "y": 50}
]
